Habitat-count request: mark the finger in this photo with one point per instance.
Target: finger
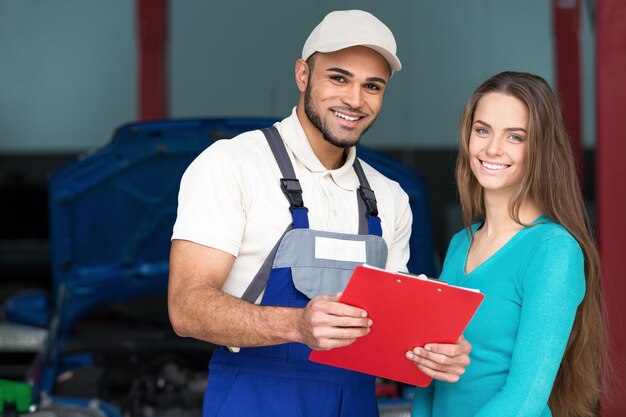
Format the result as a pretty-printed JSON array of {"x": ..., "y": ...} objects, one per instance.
[
  {"x": 322, "y": 317},
  {"x": 412, "y": 356},
  {"x": 329, "y": 337},
  {"x": 431, "y": 364},
  {"x": 340, "y": 309},
  {"x": 432, "y": 367},
  {"x": 418, "y": 355},
  {"x": 444, "y": 349},
  {"x": 440, "y": 375},
  {"x": 442, "y": 359},
  {"x": 341, "y": 332},
  {"x": 343, "y": 321},
  {"x": 438, "y": 358},
  {"x": 330, "y": 321},
  {"x": 462, "y": 347},
  {"x": 455, "y": 365},
  {"x": 329, "y": 303}
]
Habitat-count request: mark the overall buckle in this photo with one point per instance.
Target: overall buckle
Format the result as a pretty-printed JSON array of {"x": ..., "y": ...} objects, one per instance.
[
  {"x": 370, "y": 200},
  {"x": 293, "y": 191}
]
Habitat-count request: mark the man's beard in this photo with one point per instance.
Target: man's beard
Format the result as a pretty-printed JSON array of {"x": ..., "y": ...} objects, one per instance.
[{"x": 314, "y": 116}]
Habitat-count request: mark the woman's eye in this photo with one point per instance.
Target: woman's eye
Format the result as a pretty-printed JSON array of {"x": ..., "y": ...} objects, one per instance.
[
  {"x": 482, "y": 131},
  {"x": 515, "y": 138}
]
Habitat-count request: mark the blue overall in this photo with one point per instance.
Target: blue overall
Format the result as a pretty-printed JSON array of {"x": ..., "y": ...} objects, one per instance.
[{"x": 279, "y": 380}]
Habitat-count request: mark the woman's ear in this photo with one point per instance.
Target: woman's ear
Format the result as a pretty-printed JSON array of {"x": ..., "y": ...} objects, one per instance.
[{"x": 302, "y": 74}]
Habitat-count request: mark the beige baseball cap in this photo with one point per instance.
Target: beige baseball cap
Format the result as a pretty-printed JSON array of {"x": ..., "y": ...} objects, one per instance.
[{"x": 345, "y": 28}]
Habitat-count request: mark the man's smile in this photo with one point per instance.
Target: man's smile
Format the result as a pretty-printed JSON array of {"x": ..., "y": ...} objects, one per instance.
[{"x": 346, "y": 117}]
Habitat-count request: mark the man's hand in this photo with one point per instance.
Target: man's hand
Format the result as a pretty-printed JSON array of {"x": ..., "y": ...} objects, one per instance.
[
  {"x": 326, "y": 323},
  {"x": 442, "y": 361}
]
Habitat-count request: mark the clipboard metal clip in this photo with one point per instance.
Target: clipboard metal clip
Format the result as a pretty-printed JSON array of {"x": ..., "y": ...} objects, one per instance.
[{"x": 422, "y": 276}]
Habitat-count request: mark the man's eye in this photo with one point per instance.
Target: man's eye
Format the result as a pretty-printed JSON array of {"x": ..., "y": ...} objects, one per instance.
[
  {"x": 373, "y": 87},
  {"x": 337, "y": 78}
]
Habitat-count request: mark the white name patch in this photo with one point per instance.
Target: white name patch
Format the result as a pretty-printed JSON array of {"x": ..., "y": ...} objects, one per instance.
[{"x": 340, "y": 250}]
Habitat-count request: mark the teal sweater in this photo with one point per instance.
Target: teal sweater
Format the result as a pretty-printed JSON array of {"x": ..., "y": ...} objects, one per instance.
[{"x": 533, "y": 286}]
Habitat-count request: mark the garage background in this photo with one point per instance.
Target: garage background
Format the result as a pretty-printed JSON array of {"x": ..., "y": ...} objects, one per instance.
[{"x": 71, "y": 71}]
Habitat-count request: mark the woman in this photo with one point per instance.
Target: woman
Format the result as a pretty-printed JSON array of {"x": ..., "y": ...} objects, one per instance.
[{"x": 538, "y": 338}]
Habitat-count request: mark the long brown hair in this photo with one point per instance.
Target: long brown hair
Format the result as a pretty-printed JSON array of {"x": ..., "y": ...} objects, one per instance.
[{"x": 550, "y": 180}]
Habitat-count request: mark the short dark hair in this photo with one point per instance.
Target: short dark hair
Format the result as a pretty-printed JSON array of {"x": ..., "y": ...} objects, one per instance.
[{"x": 310, "y": 61}]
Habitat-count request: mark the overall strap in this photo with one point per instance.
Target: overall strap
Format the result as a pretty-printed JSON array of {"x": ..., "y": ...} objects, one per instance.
[
  {"x": 259, "y": 281},
  {"x": 369, "y": 222},
  {"x": 289, "y": 183},
  {"x": 300, "y": 219},
  {"x": 368, "y": 209}
]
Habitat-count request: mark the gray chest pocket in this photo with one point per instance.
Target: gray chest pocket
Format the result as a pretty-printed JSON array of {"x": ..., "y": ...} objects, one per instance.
[{"x": 322, "y": 262}]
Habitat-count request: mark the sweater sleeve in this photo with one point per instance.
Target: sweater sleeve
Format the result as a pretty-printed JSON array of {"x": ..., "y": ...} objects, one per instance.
[{"x": 552, "y": 287}]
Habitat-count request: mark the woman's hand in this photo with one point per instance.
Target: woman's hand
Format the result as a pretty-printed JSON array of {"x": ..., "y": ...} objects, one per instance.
[{"x": 445, "y": 362}]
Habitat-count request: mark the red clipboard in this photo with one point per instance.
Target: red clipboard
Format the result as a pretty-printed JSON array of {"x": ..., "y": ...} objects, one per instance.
[{"x": 407, "y": 311}]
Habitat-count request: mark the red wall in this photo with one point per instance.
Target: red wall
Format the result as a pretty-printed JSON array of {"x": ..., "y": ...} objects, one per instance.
[
  {"x": 567, "y": 27},
  {"x": 611, "y": 185},
  {"x": 152, "y": 53}
]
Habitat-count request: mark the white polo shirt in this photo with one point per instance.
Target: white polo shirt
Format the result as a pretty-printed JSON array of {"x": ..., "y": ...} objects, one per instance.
[{"x": 230, "y": 199}]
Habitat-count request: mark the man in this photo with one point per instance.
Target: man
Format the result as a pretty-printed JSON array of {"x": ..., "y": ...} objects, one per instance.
[{"x": 267, "y": 231}]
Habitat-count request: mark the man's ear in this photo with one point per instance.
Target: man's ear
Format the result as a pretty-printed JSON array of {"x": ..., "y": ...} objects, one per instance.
[{"x": 302, "y": 74}]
